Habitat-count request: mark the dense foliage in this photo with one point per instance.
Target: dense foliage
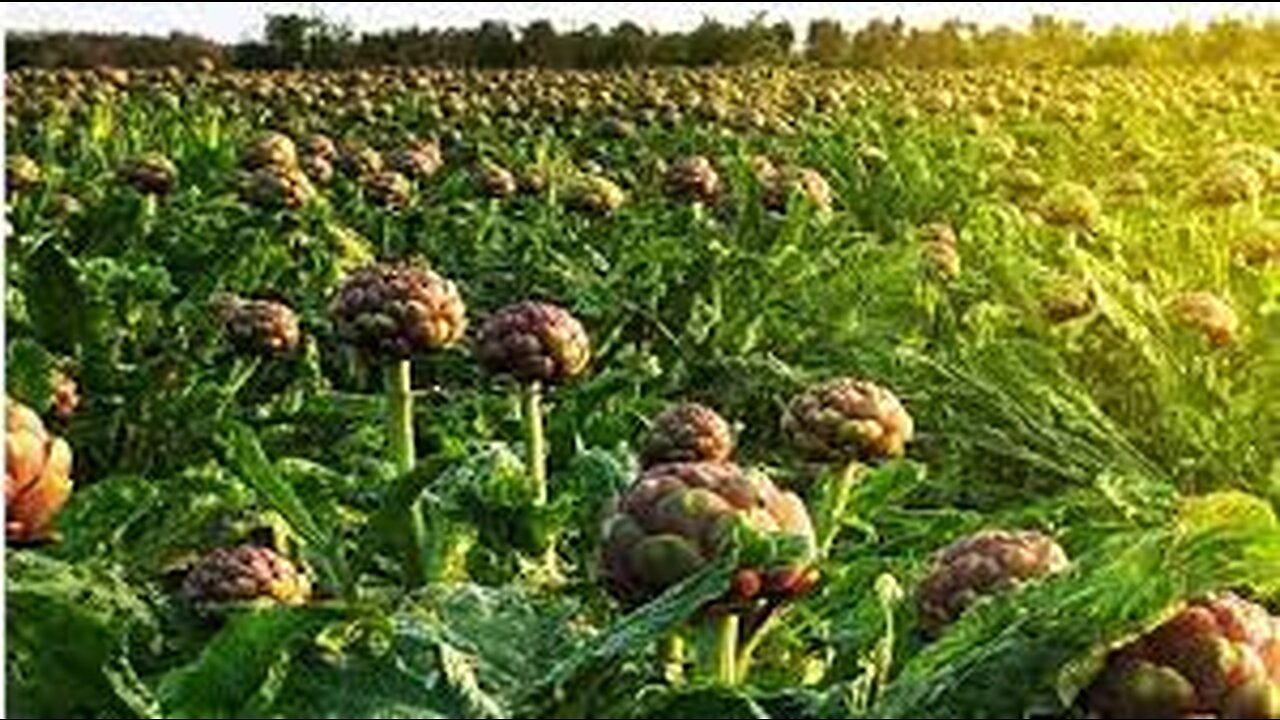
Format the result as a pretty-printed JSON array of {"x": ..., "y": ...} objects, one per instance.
[
  {"x": 373, "y": 386},
  {"x": 297, "y": 41}
]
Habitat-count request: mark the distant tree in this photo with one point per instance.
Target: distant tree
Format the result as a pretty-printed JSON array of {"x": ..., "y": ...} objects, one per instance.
[
  {"x": 495, "y": 45},
  {"x": 878, "y": 44},
  {"x": 294, "y": 40},
  {"x": 627, "y": 45},
  {"x": 539, "y": 45},
  {"x": 827, "y": 43}
]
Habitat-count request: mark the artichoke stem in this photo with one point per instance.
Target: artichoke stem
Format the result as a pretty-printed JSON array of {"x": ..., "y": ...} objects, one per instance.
[
  {"x": 535, "y": 442},
  {"x": 842, "y": 493},
  {"x": 399, "y": 378},
  {"x": 672, "y": 654},
  {"x": 400, "y": 414},
  {"x": 759, "y": 626},
  {"x": 724, "y": 661}
]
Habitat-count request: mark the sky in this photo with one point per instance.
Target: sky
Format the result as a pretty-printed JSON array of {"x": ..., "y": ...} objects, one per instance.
[{"x": 231, "y": 22}]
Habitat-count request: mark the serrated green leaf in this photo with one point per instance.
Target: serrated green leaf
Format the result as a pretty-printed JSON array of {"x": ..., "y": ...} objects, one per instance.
[
  {"x": 232, "y": 669},
  {"x": 636, "y": 631}
]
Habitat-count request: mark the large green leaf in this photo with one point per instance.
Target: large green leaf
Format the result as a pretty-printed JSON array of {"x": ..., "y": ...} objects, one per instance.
[
  {"x": 631, "y": 635},
  {"x": 1051, "y": 634},
  {"x": 250, "y": 460},
  {"x": 68, "y": 631},
  {"x": 235, "y": 674}
]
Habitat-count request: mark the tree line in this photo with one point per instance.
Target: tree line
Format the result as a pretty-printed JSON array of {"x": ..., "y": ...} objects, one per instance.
[{"x": 298, "y": 41}]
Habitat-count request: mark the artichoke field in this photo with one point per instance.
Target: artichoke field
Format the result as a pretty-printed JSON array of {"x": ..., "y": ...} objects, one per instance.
[{"x": 462, "y": 394}]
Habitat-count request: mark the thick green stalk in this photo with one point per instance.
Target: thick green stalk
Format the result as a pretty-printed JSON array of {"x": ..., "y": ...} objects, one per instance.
[
  {"x": 757, "y": 628},
  {"x": 399, "y": 379},
  {"x": 400, "y": 415},
  {"x": 672, "y": 656},
  {"x": 535, "y": 442},
  {"x": 724, "y": 661},
  {"x": 841, "y": 495}
]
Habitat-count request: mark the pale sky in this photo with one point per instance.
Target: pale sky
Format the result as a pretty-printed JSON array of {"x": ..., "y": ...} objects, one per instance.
[{"x": 237, "y": 21}]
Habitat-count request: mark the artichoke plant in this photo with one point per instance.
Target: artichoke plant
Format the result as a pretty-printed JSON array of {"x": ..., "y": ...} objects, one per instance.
[
  {"x": 846, "y": 421},
  {"x": 322, "y": 146},
  {"x": 66, "y": 395},
  {"x": 688, "y": 432},
  {"x": 359, "y": 161},
  {"x": 594, "y": 194},
  {"x": 1068, "y": 300},
  {"x": 846, "y": 418},
  {"x": 264, "y": 328},
  {"x": 781, "y": 184},
  {"x": 37, "y": 475},
  {"x": 1218, "y": 657},
  {"x": 939, "y": 251},
  {"x": 389, "y": 189},
  {"x": 275, "y": 186},
  {"x": 245, "y": 574},
  {"x": 273, "y": 150},
  {"x": 390, "y": 312},
  {"x": 678, "y": 517},
  {"x": 1207, "y": 314},
  {"x": 983, "y": 564},
  {"x": 1260, "y": 248},
  {"x": 418, "y": 160},
  {"x": 694, "y": 178},
  {"x": 536, "y": 344},
  {"x": 1230, "y": 182},
  {"x": 495, "y": 181},
  {"x": 394, "y": 310},
  {"x": 1070, "y": 204},
  {"x": 150, "y": 174},
  {"x": 21, "y": 173}
]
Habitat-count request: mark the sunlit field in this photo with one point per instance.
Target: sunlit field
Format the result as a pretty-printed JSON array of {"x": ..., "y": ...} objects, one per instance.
[{"x": 738, "y": 393}]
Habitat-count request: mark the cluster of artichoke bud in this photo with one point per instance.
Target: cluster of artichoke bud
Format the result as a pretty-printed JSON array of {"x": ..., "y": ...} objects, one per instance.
[
  {"x": 532, "y": 181},
  {"x": 989, "y": 562},
  {"x": 678, "y": 517},
  {"x": 66, "y": 395},
  {"x": 274, "y": 186},
  {"x": 273, "y": 150},
  {"x": 37, "y": 475},
  {"x": 688, "y": 432},
  {"x": 495, "y": 181},
  {"x": 1131, "y": 184},
  {"x": 780, "y": 184},
  {"x": 848, "y": 419},
  {"x": 321, "y": 146},
  {"x": 1070, "y": 204},
  {"x": 1207, "y": 314},
  {"x": 1219, "y": 657},
  {"x": 150, "y": 174},
  {"x": 21, "y": 173},
  {"x": 259, "y": 327},
  {"x": 533, "y": 342},
  {"x": 694, "y": 178},
  {"x": 594, "y": 194},
  {"x": 1023, "y": 182},
  {"x": 317, "y": 169},
  {"x": 939, "y": 250},
  {"x": 245, "y": 574},
  {"x": 1068, "y": 301},
  {"x": 1261, "y": 246},
  {"x": 389, "y": 189},
  {"x": 395, "y": 310},
  {"x": 359, "y": 161},
  {"x": 317, "y": 162},
  {"x": 274, "y": 178},
  {"x": 420, "y": 159},
  {"x": 1230, "y": 182}
]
